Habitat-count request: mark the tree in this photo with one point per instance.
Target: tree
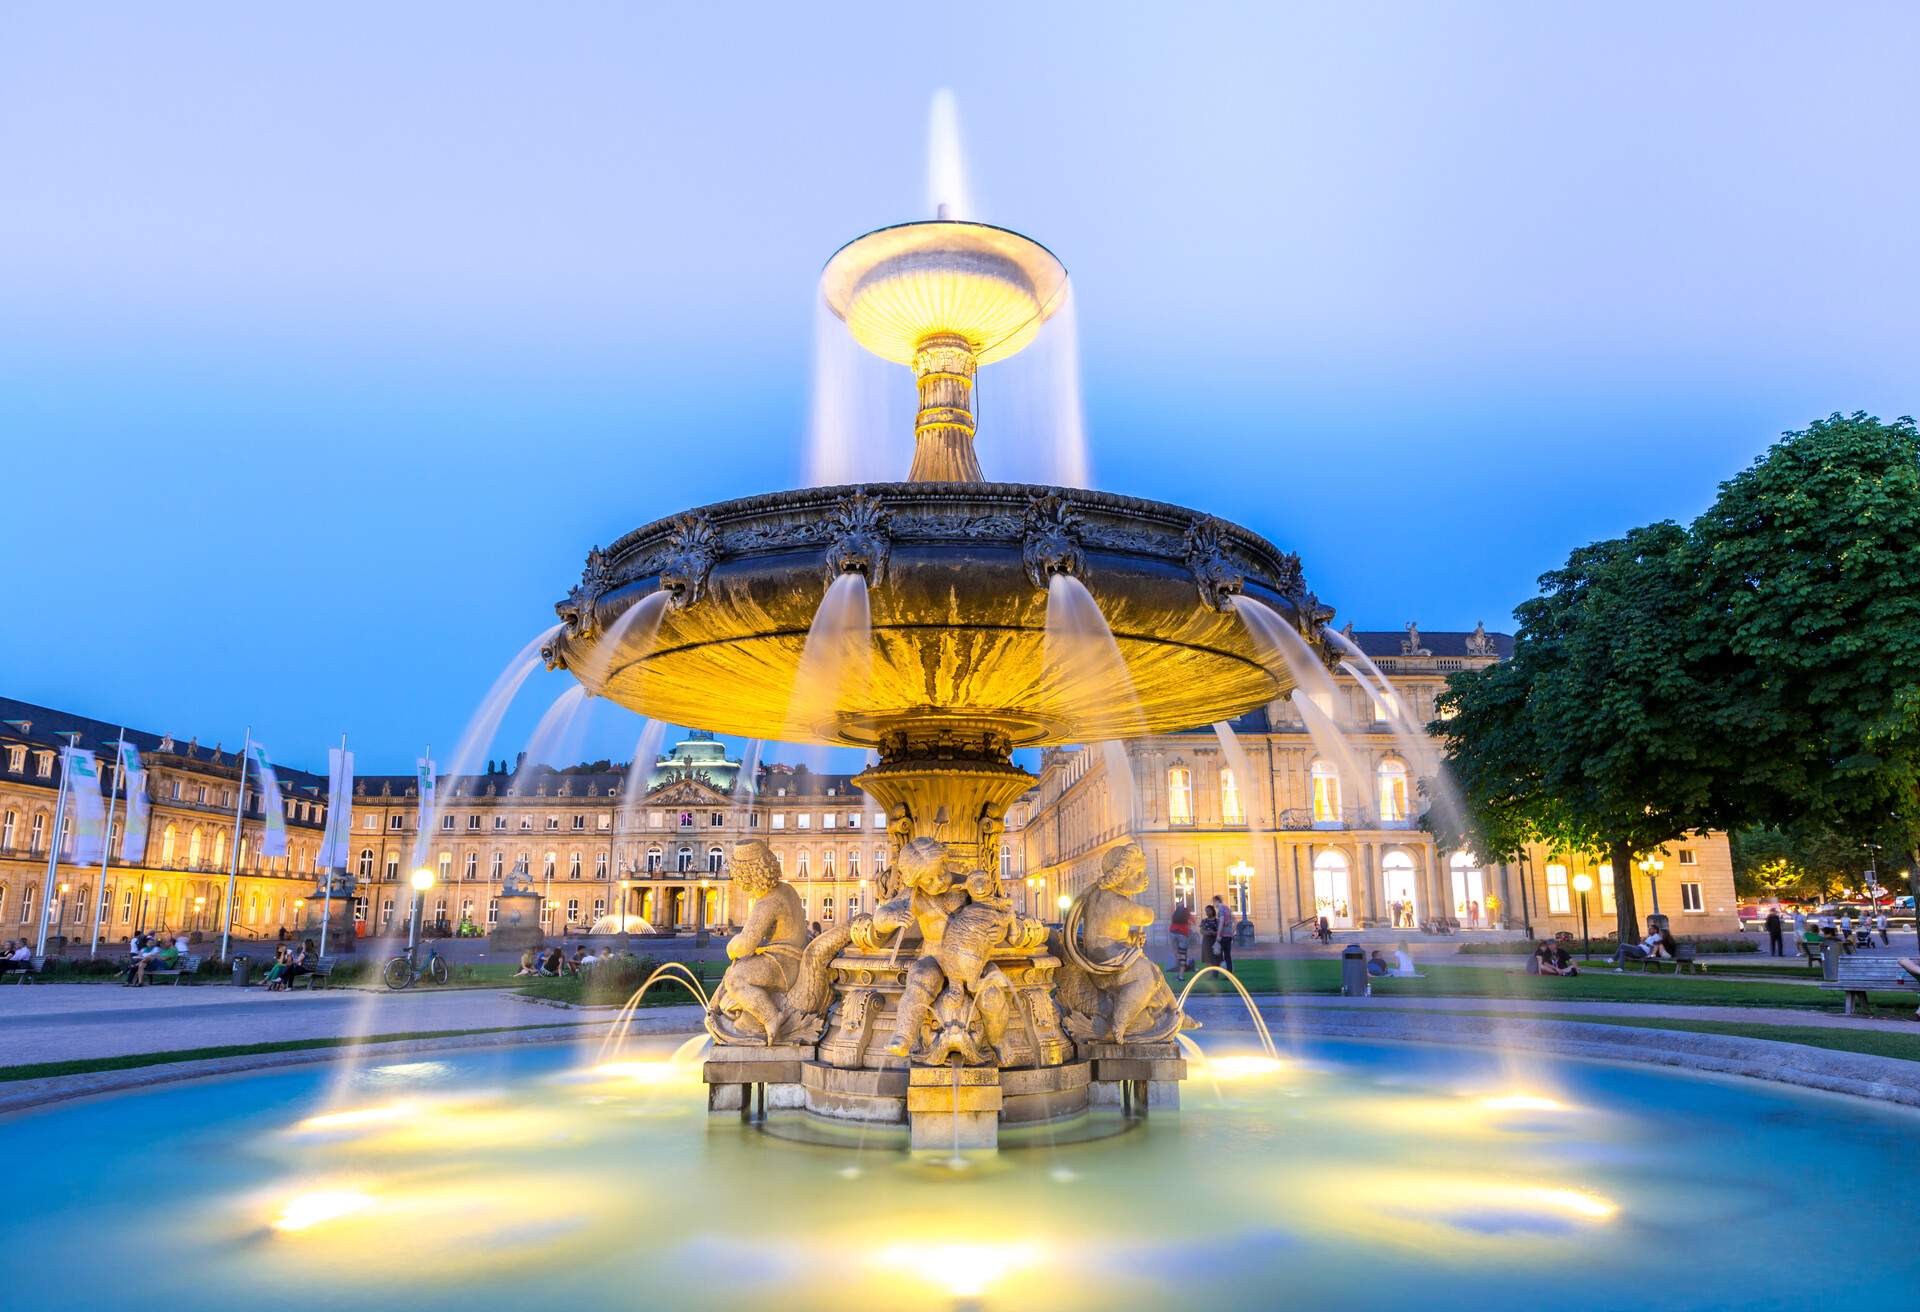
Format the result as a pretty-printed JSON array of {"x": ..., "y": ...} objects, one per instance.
[
  {"x": 1595, "y": 735},
  {"x": 1809, "y": 623},
  {"x": 1800, "y": 862}
]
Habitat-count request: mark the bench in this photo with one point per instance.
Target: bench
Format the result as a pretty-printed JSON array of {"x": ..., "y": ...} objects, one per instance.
[
  {"x": 26, "y": 972},
  {"x": 1858, "y": 975},
  {"x": 187, "y": 965},
  {"x": 1685, "y": 960},
  {"x": 314, "y": 977}
]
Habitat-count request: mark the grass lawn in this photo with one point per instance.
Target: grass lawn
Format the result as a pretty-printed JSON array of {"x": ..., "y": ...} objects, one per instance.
[
  {"x": 1873, "y": 1043},
  {"x": 1295, "y": 975},
  {"x": 666, "y": 991},
  {"x": 132, "y": 1061}
]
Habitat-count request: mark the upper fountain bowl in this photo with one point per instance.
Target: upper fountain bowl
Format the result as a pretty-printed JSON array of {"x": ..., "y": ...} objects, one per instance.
[
  {"x": 901, "y": 286},
  {"x": 958, "y": 577}
]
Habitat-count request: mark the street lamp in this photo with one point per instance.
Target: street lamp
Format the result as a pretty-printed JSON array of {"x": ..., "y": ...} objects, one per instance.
[
  {"x": 1651, "y": 868},
  {"x": 422, "y": 881},
  {"x": 60, "y": 904},
  {"x": 140, "y": 927},
  {"x": 199, "y": 906},
  {"x": 1582, "y": 884}
]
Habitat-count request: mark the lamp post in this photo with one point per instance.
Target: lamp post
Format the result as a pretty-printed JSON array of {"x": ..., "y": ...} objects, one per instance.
[
  {"x": 1582, "y": 884},
  {"x": 626, "y": 886},
  {"x": 1241, "y": 875},
  {"x": 422, "y": 881},
  {"x": 1651, "y": 867},
  {"x": 199, "y": 908},
  {"x": 140, "y": 926}
]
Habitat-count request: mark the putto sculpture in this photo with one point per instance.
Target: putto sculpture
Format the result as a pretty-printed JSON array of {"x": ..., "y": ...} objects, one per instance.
[
  {"x": 1109, "y": 989},
  {"x": 778, "y": 987}
]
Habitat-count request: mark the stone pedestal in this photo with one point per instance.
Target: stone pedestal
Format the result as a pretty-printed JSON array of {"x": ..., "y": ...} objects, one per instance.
[
  {"x": 1044, "y": 1093},
  {"x": 953, "y": 1107},
  {"x": 1135, "y": 1076},
  {"x": 874, "y": 1096},
  {"x": 734, "y": 1069}
]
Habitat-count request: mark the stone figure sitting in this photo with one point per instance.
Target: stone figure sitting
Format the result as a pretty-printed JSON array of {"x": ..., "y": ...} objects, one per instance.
[
  {"x": 961, "y": 923},
  {"x": 1111, "y": 990},
  {"x": 778, "y": 987}
]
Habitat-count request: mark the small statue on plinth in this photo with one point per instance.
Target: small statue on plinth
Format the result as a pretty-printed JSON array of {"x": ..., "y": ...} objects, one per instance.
[
  {"x": 954, "y": 990},
  {"x": 1108, "y": 987},
  {"x": 779, "y": 986}
]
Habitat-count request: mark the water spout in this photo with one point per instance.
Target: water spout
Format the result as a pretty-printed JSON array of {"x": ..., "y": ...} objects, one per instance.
[
  {"x": 1315, "y": 694},
  {"x": 674, "y": 972},
  {"x": 836, "y": 669},
  {"x": 1082, "y": 665},
  {"x": 1266, "y": 1037},
  {"x": 558, "y": 733},
  {"x": 946, "y": 162},
  {"x": 633, "y": 789}
]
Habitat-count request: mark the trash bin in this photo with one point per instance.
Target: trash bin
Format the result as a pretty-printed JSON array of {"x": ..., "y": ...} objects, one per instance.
[
  {"x": 1353, "y": 972},
  {"x": 242, "y": 971},
  {"x": 1830, "y": 954},
  {"x": 1243, "y": 936}
]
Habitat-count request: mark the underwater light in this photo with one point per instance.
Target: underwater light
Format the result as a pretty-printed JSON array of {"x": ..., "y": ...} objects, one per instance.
[{"x": 304, "y": 1211}]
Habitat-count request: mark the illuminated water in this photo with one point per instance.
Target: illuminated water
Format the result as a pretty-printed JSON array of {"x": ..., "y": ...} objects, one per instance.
[{"x": 1360, "y": 1176}]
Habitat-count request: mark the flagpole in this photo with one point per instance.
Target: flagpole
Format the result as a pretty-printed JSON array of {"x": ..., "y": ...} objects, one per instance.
[
  {"x": 233, "y": 865},
  {"x": 326, "y": 872},
  {"x": 106, "y": 847},
  {"x": 53, "y": 848}
]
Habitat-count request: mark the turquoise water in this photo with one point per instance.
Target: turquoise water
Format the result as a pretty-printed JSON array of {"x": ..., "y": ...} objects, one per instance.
[{"x": 1355, "y": 1176}]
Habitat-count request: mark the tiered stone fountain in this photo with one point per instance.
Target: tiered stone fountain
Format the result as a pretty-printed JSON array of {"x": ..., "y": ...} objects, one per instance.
[{"x": 943, "y": 1009}]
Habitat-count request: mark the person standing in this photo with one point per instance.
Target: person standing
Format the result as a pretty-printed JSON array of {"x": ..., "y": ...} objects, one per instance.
[
  {"x": 1209, "y": 932},
  {"x": 1799, "y": 922},
  {"x": 1775, "y": 932},
  {"x": 1880, "y": 923},
  {"x": 1227, "y": 926},
  {"x": 1180, "y": 933}
]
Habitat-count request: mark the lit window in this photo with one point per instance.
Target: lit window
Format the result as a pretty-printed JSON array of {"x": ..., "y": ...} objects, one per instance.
[
  {"x": 1393, "y": 791},
  {"x": 779, "y": 820},
  {"x": 826, "y": 907},
  {"x": 800, "y": 865},
  {"x": 1180, "y": 795},
  {"x": 1230, "y": 811},
  {"x": 803, "y": 821},
  {"x": 366, "y": 863},
  {"x": 1690, "y": 899},
  {"x": 1557, "y": 900},
  {"x": 1183, "y": 885},
  {"x": 1603, "y": 876},
  {"x": 573, "y": 865},
  {"x": 1326, "y": 793}
]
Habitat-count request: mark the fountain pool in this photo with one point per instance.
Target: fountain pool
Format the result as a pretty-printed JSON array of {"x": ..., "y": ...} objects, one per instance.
[{"x": 1346, "y": 1175}]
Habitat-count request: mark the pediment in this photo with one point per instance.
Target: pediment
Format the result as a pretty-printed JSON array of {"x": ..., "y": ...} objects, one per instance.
[{"x": 688, "y": 792}]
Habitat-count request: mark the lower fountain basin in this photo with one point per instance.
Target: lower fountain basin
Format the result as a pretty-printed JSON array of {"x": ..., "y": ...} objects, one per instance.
[
  {"x": 958, "y": 577},
  {"x": 1355, "y": 1176}
]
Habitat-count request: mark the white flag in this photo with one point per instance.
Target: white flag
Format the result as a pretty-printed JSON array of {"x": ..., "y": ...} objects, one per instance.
[
  {"x": 133, "y": 838},
  {"x": 86, "y": 809},
  {"x": 333, "y": 845},
  {"x": 429, "y": 804},
  {"x": 273, "y": 807}
]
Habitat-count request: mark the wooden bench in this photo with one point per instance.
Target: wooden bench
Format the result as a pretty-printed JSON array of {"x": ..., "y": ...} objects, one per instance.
[
  {"x": 1685, "y": 960},
  {"x": 1858, "y": 975},
  {"x": 314, "y": 977},
  {"x": 26, "y": 975},
  {"x": 187, "y": 965}
]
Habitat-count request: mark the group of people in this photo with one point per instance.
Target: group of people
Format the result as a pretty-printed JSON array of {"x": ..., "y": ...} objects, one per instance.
[
  {"x": 553, "y": 963},
  {"x": 17, "y": 957},
  {"x": 1218, "y": 925},
  {"x": 1551, "y": 959},
  {"x": 147, "y": 952},
  {"x": 1810, "y": 934},
  {"x": 289, "y": 965}
]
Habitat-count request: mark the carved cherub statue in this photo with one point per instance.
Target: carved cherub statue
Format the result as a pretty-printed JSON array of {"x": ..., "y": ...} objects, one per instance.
[
  {"x": 1110, "y": 988},
  {"x": 959, "y": 933},
  {"x": 778, "y": 986}
]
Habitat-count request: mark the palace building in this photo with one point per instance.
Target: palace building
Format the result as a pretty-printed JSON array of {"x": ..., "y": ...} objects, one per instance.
[{"x": 1285, "y": 845}]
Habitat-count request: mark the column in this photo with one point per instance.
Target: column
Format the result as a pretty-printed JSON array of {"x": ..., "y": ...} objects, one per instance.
[{"x": 1369, "y": 876}]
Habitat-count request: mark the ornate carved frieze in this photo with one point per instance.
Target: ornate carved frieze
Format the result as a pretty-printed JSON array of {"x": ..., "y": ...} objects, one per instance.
[
  {"x": 692, "y": 550},
  {"x": 862, "y": 538},
  {"x": 1216, "y": 575},
  {"x": 1052, "y": 544}
]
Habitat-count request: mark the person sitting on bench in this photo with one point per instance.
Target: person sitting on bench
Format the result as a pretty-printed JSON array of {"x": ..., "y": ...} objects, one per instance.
[
  {"x": 303, "y": 963},
  {"x": 1655, "y": 943},
  {"x": 18, "y": 957}
]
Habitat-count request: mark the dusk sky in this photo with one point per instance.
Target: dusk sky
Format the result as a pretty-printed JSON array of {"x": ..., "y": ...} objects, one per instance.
[{"x": 331, "y": 340}]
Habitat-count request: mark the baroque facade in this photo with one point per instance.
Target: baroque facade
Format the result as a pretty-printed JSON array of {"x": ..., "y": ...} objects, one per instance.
[
  {"x": 1297, "y": 844},
  {"x": 1285, "y": 845}
]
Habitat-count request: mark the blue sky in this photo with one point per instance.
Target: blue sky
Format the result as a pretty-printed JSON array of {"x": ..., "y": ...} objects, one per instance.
[{"x": 330, "y": 341}]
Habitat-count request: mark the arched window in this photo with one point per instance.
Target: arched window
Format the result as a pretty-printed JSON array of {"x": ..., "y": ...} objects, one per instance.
[
  {"x": 1326, "y": 793},
  {"x": 1230, "y": 809},
  {"x": 714, "y": 858},
  {"x": 366, "y": 863},
  {"x": 393, "y": 865},
  {"x": 1392, "y": 775},
  {"x": 168, "y": 840},
  {"x": 193, "y": 848},
  {"x": 853, "y": 863},
  {"x": 826, "y": 864},
  {"x": 573, "y": 865},
  {"x": 547, "y": 865},
  {"x": 684, "y": 860},
  {"x": 7, "y": 827},
  {"x": 472, "y": 868},
  {"x": 1183, "y": 885},
  {"x": 801, "y": 868},
  {"x": 1332, "y": 896},
  {"x": 1400, "y": 888},
  {"x": 1469, "y": 888},
  {"x": 219, "y": 847},
  {"x": 1180, "y": 795},
  {"x": 599, "y": 865},
  {"x": 654, "y": 858}
]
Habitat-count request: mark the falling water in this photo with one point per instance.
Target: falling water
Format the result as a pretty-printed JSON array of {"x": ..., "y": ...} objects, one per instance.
[
  {"x": 860, "y": 423},
  {"x": 557, "y": 735},
  {"x": 837, "y": 666},
  {"x": 673, "y": 972},
  {"x": 1314, "y": 695},
  {"x": 480, "y": 732},
  {"x": 1120, "y": 782},
  {"x": 633, "y": 631},
  {"x": 947, "y": 194},
  {"x": 1083, "y": 667},
  {"x": 1412, "y": 739},
  {"x": 1032, "y": 423},
  {"x": 1243, "y": 775},
  {"x": 633, "y": 789}
]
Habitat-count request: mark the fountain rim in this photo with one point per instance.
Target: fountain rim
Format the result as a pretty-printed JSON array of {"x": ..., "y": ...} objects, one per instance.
[{"x": 944, "y": 223}]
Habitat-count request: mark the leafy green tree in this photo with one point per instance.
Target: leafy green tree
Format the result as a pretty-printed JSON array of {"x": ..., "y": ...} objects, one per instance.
[
  {"x": 1595, "y": 736},
  {"x": 1799, "y": 863},
  {"x": 1809, "y": 627}
]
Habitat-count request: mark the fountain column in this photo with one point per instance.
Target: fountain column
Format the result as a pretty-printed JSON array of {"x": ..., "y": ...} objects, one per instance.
[{"x": 944, "y": 367}]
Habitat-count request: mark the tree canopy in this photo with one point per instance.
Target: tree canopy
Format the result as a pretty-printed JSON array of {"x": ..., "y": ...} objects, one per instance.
[{"x": 1759, "y": 671}]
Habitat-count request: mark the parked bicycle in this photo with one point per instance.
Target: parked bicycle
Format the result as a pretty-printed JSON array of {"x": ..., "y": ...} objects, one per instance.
[{"x": 404, "y": 971}]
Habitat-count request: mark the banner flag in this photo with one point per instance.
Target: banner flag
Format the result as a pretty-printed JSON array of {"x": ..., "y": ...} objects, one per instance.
[
  {"x": 429, "y": 805},
  {"x": 272, "y": 805},
  {"x": 86, "y": 808},
  {"x": 133, "y": 779},
  {"x": 333, "y": 845}
]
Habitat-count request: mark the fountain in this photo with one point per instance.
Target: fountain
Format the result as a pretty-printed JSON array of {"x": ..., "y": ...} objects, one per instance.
[{"x": 941, "y": 622}]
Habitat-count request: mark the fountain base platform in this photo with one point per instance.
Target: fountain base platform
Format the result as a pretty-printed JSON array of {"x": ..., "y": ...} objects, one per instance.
[{"x": 1135, "y": 1076}]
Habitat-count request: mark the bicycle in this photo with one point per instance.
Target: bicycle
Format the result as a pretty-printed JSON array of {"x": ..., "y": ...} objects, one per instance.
[{"x": 401, "y": 973}]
